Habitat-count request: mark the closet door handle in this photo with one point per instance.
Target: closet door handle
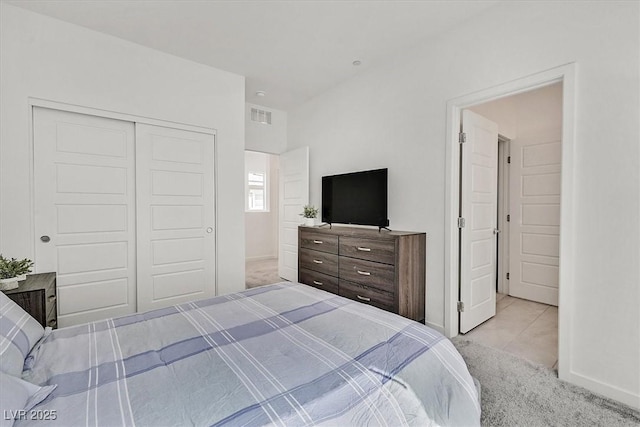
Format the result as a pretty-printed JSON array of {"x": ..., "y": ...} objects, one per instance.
[
  {"x": 361, "y": 298},
  {"x": 317, "y": 261},
  {"x": 364, "y": 273}
]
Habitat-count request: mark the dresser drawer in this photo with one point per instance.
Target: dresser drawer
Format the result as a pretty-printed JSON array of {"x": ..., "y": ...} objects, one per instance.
[
  {"x": 318, "y": 280},
  {"x": 373, "y": 250},
  {"x": 319, "y": 261},
  {"x": 368, "y": 273},
  {"x": 367, "y": 295},
  {"x": 319, "y": 241}
]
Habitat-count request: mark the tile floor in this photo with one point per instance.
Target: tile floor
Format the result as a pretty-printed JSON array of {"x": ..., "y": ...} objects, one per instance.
[{"x": 525, "y": 328}]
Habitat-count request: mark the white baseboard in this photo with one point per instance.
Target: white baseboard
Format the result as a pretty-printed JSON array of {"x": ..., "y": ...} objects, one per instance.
[
  {"x": 604, "y": 389},
  {"x": 439, "y": 328},
  {"x": 261, "y": 258}
]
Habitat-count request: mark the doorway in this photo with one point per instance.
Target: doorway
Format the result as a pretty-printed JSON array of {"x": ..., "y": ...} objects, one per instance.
[
  {"x": 526, "y": 168},
  {"x": 529, "y": 168},
  {"x": 261, "y": 218},
  {"x": 566, "y": 75}
]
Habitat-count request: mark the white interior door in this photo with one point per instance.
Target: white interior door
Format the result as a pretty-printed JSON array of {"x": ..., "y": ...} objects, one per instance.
[
  {"x": 294, "y": 194},
  {"x": 479, "y": 208},
  {"x": 84, "y": 219},
  {"x": 175, "y": 216},
  {"x": 535, "y": 217}
]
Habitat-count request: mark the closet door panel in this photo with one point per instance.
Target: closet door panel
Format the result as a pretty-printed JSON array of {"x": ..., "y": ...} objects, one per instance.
[
  {"x": 84, "y": 212},
  {"x": 175, "y": 216}
]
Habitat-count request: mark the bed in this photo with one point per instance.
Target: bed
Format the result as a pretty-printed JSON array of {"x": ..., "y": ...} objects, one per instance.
[{"x": 283, "y": 354}]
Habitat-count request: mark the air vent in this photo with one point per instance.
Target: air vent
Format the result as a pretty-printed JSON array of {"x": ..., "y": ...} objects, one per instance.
[{"x": 261, "y": 116}]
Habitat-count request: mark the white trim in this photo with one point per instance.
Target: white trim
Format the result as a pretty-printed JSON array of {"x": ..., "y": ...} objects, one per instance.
[
  {"x": 437, "y": 327},
  {"x": 261, "y": 258},
  {"x": 566, "y": 75},
  {"x": 503, "y": 210},
  {"x": 72, "y": 108},
  {"x": 215, "y": 212},
  {"x": 625, "y": 396},
  {"x": 32, "y": 187}
]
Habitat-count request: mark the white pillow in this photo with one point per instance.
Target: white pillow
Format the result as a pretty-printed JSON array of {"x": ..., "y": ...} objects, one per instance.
[
  {"x": 19, "y": 397},
  {"x": 19, "y": 332}
]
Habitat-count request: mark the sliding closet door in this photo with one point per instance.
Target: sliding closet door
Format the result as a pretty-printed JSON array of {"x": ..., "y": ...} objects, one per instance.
[
  {"x": 84, "y": 202},
  {"x": 175, "y": 210}
]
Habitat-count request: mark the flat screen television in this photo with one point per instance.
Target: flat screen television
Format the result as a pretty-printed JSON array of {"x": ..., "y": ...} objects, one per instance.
[{"x": 356, "y": 198}]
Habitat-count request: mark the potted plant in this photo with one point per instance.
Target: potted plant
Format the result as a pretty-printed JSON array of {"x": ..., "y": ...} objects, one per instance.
[
  {"x": 12, "y": 271},
  {"x": 309, "y": 212}
]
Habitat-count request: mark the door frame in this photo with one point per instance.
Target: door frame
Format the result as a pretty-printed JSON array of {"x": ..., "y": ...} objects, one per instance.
[
  {"x": 73, "y": 108},
  {"x": 282, "y": 211},
  {"x": 567, "y": 75},
  {"x": 272, "y": 202},
  {"x": 504, "y": 150}
]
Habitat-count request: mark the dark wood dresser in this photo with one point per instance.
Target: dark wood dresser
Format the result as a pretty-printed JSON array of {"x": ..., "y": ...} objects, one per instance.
[
  {"x": 385, "y": 269},
  {"x": 37, "y": 296}
]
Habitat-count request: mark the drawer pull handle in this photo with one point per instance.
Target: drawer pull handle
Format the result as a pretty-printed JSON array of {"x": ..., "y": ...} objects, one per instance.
[
  {"x": 315, "y": 282},
  {"x": 318, "y": 242},
  {"x": 364, "y": 249},
  {"x": 364, "y": 273},
  {"x": 317, "y": 261},
  {"x": 361, "y": 298}
]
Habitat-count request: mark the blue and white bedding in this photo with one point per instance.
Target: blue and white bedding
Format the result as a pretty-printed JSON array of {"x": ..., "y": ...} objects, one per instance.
[{"x": 284, "y": 354}]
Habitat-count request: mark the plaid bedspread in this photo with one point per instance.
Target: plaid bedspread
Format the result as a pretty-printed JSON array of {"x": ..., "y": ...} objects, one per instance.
[{"x": 284, "y": 354}]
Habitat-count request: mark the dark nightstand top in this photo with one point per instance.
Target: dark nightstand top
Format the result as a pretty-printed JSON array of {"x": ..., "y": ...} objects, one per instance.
[
  {"x": 37, "y": 296},
  {"x": 33, "y": 282}
]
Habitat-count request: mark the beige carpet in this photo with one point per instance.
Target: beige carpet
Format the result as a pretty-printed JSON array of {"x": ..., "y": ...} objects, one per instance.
[
  {"x": 515, "y": 392},
  {"x": 261, "y": 272}
]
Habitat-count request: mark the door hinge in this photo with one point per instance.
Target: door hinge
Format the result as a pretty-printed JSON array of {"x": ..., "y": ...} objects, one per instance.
[
  {"x": 460, "y": 306},
  {"x": 462, "y": 137},
  {"x": 507, "y": 276},
  {"x": 508, "y": 218},
  {"x": 508, "y": 159},
  {"x": 461, "y": 222}
]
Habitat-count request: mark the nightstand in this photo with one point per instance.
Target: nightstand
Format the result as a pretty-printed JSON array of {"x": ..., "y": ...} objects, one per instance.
[{"x": 37, "y": 296}]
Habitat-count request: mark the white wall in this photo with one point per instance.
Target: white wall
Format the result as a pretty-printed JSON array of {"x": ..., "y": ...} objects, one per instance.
[
  {"x": 395, "y": 116},
  {"x": 45, "y": 58},
  {"x": 261, "y": 228},
  {"x": 263, "y": 137}
]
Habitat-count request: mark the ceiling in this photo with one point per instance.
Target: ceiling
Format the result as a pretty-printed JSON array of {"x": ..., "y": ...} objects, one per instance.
[{"x": 291, "y": 50}]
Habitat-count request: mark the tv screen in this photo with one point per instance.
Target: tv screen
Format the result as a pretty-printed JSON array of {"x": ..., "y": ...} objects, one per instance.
[{"x": 355, "y": 198}]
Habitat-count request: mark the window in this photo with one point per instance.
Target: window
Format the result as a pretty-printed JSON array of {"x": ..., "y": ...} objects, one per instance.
[
  {"x": 256, "y": 192},
  {"x": 257, "y": 181}
]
